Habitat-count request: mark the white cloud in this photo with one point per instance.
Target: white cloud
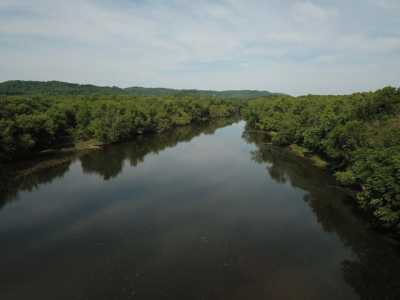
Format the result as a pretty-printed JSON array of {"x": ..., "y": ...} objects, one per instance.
[
  {"x": 387, "y": 4},
  {"x": 306, "y": 11},
  {"x": 207, "y": 44}
]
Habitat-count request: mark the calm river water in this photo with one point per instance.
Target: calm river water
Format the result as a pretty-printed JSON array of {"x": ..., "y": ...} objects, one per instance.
[{"x": 202, "y": 212}]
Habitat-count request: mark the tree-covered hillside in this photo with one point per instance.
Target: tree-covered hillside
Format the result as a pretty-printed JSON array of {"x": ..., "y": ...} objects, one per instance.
[
  {"x": 57, "y": 88},
  {"x": 54, "y": 88}
]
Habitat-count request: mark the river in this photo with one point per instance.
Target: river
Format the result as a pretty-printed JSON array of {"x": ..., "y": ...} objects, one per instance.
[{"x": 202, "y": 212}]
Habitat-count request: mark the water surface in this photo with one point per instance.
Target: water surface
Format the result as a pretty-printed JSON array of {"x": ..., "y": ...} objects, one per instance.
[{"x": 195, "y": 213}]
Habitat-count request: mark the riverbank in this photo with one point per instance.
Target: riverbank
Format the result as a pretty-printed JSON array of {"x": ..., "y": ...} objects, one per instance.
[
  {"x": 358, "y": 135},
  {"x": 315, "y": 159},
  {"x": 23, "y": 173},
  {"x": 30, "y": 125},
  {"x": 306, "y": 162}
]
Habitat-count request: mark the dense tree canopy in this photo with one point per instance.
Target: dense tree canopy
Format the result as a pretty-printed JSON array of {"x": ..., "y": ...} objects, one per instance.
[
  {"x": 358, "y": 134},
  {"x": 29, "y": 124}
]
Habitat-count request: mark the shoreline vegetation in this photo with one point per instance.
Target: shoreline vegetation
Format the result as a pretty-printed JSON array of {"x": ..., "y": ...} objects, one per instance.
[
  {"x": 53, "y": 157},
  {"x": 315, "y": 159},
  {"x": 355, "y": 137},
  {"x": 43, "y": 120}
]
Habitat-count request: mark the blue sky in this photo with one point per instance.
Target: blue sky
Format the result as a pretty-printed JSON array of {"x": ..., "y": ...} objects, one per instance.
[{"x": 291, "y": 46}]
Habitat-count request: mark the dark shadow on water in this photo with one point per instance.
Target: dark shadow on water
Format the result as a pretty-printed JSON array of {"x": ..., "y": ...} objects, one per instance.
[
  {"x": 373, "y": 273},
  {"x": 107, "y": 163},
  {"x": 13, "y": 182},
  {"x": 135, "y": 152}
]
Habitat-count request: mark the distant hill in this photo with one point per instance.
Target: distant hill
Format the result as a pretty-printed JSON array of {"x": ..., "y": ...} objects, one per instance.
[
  {"x": 54, "y": 88},
  {"x": 17, "y": 87}
]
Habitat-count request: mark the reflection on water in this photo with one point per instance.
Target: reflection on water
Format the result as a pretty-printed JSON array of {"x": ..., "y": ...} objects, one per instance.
[
  {"x": 144, "y": 145},
  {"x": 194, "y": 213},
  {"x": 14, "y": 181},
  {"x": 372, "y": 273}
]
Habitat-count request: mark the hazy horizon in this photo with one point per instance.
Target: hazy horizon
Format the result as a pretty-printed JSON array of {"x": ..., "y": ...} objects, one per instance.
[{"x": 294, "y": 47}]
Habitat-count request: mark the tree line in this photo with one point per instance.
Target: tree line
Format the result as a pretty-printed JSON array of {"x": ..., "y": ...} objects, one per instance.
[
  {"x": 30, "y": 124},
  {"x": 358, "y": 134},
  {"x": 59, "y": 88}
]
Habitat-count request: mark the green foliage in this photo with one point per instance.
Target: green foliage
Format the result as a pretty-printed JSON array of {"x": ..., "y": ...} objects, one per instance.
[
  {"x": 298, "y": 150},
  {"x": 378, "y": 171},
  {"x": 346, "y": 177},
  {"x": 31, "y": 124},
  {"x": 359, "y": 134}
]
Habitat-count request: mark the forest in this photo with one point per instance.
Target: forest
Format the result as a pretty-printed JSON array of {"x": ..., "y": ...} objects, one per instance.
[
  {"x": 30, "y": 124},
  {"x": 358, "y": 134}
]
